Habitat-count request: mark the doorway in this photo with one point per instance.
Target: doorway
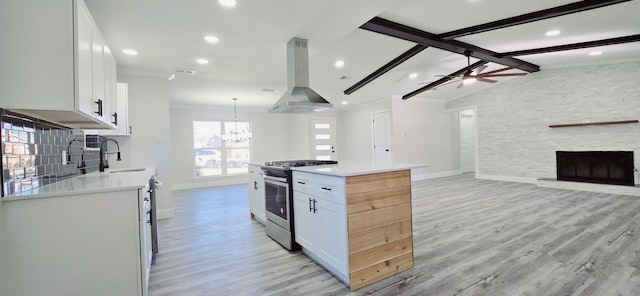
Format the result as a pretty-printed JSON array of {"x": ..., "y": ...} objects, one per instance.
[{"x": 467, "y": 126}]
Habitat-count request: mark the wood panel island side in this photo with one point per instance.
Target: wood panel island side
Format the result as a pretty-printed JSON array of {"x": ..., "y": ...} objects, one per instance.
[{"x": 354, "y": 219}]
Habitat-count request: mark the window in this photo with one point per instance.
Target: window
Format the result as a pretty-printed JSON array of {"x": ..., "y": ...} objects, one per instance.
[{"x": 221, "y": 147}]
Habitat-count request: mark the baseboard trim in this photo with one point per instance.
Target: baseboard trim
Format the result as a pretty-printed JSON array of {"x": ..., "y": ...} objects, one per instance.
[
  {"x": 216, "y": 182},
  {"x": 529, "y": 180},
  {"x": 165, "y": 213},
  {"x": 421, "y": 177}
]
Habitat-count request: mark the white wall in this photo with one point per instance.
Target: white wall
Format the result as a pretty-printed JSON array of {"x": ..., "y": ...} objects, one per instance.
[
  {"x": 275, "y": 137},
  {"x": 427, "y": 125},
  {"x": 428, "y": 129},
  {"x": 355, "y": 136},
  {"x": 514, "y": 138},
  {"x": 150, "y": 142}
]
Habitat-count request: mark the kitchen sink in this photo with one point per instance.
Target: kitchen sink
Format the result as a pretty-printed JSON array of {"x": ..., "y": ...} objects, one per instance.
[{"x": 128, "y": 170}]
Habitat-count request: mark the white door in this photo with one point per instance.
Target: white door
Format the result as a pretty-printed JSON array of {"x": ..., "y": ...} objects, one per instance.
[
  {"x": 381, "y": 137},
  {"x": 466, "y": 120},
  {"x": 323, "y": 139}
]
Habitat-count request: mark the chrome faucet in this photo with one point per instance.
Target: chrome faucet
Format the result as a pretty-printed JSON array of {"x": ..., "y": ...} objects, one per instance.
[{"x": 104, "y": 164}]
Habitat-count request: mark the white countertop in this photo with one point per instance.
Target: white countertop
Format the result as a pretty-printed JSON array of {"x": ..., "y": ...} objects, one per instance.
[
  {"x": 111, "y": 180},
  {"x": 349, "y": 168}
]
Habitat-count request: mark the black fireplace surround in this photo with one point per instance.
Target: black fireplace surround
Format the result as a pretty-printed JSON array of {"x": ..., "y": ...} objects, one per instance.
[{"x": 603, "y": 167}]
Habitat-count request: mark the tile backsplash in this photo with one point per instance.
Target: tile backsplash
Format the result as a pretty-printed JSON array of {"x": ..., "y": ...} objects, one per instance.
[{"x": 32, "y": 153}]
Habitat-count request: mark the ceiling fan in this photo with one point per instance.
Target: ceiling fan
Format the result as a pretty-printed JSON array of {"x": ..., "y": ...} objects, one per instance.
[{"x": 471, "y": 76}]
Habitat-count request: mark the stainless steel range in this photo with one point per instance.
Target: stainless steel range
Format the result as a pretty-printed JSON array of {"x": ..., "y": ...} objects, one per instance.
[{"x": 279, "y": 199}]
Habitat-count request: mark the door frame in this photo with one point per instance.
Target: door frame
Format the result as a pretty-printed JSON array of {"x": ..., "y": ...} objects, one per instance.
[
  {"x": 472, "y": 142},
  {"x": 475, "y": 132},
  {"x": 311, "y": 147}
]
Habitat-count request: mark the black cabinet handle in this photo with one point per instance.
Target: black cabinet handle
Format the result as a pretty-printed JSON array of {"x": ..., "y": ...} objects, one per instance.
[
  {"x": 255, "y": 185},
  {"x": 325, "y": 188},
  {"x": 314, "y": 205},
  {"x": 310, "y": 205},
  {"x": 115, "y": 118},
  {"x": 301, "y": 183},
  {"x": 99, "y": 103}
]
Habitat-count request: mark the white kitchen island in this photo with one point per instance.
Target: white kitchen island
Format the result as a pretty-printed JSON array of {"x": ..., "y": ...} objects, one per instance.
[
  {"x": 87, "y": 235},
  {"x": 354, "y": 218}
]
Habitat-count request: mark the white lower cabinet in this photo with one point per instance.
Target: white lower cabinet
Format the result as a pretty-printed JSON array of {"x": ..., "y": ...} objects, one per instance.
[
  {"x": 321, "y": 222},
  {"x": 256, "y": 193},
  {"x": 146, "y": 252},
  {"x": 86, "y": 244}
]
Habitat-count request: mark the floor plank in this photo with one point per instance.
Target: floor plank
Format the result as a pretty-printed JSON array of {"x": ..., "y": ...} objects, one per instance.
[{"x": 471, "y": 237}]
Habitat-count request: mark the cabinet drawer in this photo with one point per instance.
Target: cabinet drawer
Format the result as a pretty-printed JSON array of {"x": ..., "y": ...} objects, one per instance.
[
  {"x": 330, "y": 188},
  {"x": 255, "y": 171},
  {"x": 303, "y": 182}
]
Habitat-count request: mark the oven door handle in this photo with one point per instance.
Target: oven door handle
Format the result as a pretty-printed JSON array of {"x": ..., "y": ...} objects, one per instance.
[{"x": 276, "y": 179}]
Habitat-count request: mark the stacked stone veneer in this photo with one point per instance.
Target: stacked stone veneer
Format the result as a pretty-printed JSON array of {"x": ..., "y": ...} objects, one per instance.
[{"x": 514, "y": 138}]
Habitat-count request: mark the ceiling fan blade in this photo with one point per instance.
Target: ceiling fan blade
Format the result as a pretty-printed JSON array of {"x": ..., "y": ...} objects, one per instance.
[
  {"x": 498, "y": 71},
  {"x": 503, "y": 75},
  {"x": 486, "y": 80},
  {"x": 444, "y": 76},
  {"x": 480, "y": 69}
]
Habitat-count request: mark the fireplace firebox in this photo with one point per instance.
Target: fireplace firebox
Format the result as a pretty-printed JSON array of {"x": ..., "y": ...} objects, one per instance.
[{"x": 604, "y": 167}]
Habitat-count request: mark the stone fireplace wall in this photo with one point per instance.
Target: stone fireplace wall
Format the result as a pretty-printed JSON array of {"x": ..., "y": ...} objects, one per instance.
[{"x": 514, "y": 138}]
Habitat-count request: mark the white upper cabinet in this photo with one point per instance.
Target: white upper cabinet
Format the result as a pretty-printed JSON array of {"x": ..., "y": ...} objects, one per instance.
[
  {"x": 55, "y": 64},
  {"x": 119, "y": 115}
]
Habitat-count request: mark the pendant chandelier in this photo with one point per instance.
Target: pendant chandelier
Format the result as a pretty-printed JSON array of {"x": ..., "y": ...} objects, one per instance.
[{"x": 236, "y": 136}]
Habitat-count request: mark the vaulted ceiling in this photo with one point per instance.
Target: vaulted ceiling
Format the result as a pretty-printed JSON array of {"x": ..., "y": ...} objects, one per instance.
[{"x": 249, "y": 60}]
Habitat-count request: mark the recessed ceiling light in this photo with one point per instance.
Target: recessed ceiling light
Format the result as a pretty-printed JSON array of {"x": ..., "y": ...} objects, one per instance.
[
  {"x": 552, "y": 33},
  {"x": 202, "y": 61},
  {"x": 413, "y": 75},
  {"x": 211, "y": 39},
  {"x": 129, "y": 52},
  {"x": 339, "y": 64},
  {"x": 227, "y": 3},
  {"x": 595, "y": 53},
  {"x": 345, "y": 102}
]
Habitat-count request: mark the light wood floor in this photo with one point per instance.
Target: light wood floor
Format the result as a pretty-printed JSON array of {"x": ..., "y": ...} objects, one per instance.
[{"x": 471, "y": 237}]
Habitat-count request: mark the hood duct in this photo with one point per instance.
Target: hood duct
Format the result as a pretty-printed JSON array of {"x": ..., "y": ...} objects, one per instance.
[{"x": 299, "y": 97}]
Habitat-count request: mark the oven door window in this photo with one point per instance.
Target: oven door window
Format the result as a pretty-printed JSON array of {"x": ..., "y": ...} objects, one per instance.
[{"x": 276, "y": 199}]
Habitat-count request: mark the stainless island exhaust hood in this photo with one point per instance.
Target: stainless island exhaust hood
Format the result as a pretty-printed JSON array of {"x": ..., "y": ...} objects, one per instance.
[{"x": 299, "y": 97}]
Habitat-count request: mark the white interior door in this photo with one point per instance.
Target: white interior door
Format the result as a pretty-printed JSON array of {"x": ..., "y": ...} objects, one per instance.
[
  {"x": 323, "y": 138},
  {"x": 466, "y": 120},
  {"x": 381, "y": 137}
]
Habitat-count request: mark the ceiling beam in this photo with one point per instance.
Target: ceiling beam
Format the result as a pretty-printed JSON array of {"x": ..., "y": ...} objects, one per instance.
[
  {"x": 499, "y": 24},
  {"x": 588, "y": 44},
  {"x": 531, "y": 17},
  {"x": 384, "y": 69},
  {"x": 444, "y": 79},
  {"x": 393, "y": 29}
]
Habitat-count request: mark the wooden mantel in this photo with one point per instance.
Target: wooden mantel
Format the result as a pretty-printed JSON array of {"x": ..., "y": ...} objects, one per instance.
[{"x": 594, "y": 123}]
